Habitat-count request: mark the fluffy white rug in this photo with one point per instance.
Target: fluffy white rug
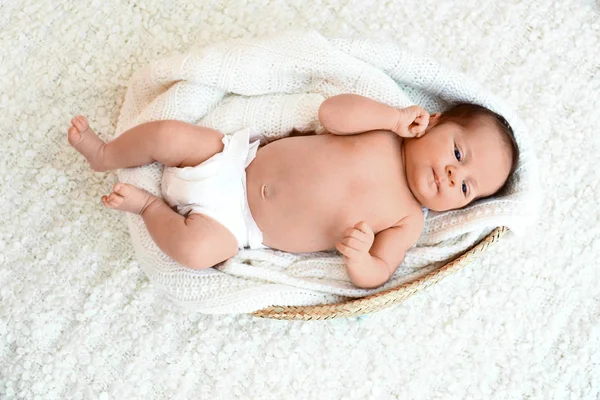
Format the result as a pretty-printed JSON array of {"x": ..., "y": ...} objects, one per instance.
[{"x": 79, "y": 319}]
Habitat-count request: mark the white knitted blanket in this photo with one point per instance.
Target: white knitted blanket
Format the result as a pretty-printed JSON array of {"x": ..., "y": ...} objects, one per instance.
[{"x": 275, "y": 84}]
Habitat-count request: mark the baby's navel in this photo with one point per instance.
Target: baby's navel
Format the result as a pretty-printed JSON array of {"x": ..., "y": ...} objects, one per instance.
[
  {"x": 263, "y": 191},
  {"x": 267, "y": 191}
]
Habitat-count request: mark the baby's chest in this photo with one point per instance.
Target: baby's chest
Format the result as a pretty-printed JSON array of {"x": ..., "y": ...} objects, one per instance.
[{"x": 380, "y": 199}]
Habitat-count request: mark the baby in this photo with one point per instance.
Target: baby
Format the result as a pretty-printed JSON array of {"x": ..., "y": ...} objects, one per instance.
[{"x": 358, "y": 188}]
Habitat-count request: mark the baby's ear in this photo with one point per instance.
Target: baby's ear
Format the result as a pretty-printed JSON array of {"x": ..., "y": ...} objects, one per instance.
[{"x": 434, "y": 119}]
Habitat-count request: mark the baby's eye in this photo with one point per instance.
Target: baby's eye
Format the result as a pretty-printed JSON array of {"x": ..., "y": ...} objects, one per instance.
[
  {"x": 464, "y": 188},
  {"x": 456, "y": 153}
]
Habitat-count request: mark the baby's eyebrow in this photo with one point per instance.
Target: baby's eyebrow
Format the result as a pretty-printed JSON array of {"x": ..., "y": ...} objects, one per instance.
[{"x": 469, "y": 151}]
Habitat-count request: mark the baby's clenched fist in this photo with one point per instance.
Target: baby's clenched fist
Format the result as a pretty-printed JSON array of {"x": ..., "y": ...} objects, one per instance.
[
  {"x": 356, "y": 242},
  {"x": 412, "y": 122}
]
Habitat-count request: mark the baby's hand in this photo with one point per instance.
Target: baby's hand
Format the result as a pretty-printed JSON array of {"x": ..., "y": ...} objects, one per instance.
[
  {"x": 412, "y": 122},
  {"x": 356, "y": 243}
]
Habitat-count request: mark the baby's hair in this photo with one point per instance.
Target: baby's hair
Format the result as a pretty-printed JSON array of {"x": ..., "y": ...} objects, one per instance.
[{"x": 465, "y": 112}]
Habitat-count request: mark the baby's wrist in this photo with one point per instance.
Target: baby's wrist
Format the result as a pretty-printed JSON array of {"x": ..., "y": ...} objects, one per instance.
[
  {"x": 398, "y": 121},
  {"x": 368, "y": 274},
  {"x": 359, "y": 263}
]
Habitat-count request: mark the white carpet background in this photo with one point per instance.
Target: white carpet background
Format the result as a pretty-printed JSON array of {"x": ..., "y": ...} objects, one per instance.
[{"x": 78, "y": 318}]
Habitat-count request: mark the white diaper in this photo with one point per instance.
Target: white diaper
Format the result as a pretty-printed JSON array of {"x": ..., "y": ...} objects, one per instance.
[{"x": 217, "y": 188}]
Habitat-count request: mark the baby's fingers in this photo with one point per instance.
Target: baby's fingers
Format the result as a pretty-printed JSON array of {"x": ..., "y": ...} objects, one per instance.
[
  {"x": 363, "y": 232},
  {"x": 363, "y": 227},
  {"x": 356, "y": 234},
  {"x": 347, "y": 251},
  {"x": 355, "y": 244},
  {"x": 419, "y": 125}
]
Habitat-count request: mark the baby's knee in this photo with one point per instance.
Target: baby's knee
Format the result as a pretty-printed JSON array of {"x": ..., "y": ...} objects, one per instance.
[{"x": 208, "y": 243}]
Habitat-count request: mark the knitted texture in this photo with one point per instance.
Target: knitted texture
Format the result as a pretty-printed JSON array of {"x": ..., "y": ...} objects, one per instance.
[{"x": 276, "y": 84}]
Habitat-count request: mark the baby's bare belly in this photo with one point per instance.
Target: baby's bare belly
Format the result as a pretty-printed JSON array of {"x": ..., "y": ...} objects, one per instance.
[{"x": 305, "y": 191}]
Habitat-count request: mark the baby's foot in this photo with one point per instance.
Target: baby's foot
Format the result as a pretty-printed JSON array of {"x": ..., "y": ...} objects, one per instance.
[
  {"x": 85, "y": 141},
  {"x": 128, "y": 198}
]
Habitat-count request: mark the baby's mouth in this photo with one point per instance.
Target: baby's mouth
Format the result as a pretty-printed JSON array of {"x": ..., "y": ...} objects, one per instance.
[{"x": 436, "y": 180}]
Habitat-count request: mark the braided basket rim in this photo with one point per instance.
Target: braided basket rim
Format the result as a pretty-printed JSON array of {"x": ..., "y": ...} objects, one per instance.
[{"x": 385, "y": 299}]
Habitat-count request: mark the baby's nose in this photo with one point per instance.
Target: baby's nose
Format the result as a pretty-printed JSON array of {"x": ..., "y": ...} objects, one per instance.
[{"x": 451, "y": 175}]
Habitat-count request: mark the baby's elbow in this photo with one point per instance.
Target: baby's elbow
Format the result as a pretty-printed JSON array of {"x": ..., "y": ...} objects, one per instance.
[
  {"x": 324, "y": 114},
  {"x": 331, "y": 117},
  {"x": 331, "y": 106}
]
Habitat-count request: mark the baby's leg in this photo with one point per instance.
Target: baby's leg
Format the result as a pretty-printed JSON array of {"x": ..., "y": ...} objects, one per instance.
[
  {"x": 197, "y": 242},
  {"x": 172, "y": 143}
]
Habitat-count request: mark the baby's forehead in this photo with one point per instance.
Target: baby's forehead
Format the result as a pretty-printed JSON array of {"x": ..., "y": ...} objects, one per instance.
[
  {"x": 474, "y": 121},
  {"x": 482, "y": 127},
  {"x": 489, "y": 155},
  {"x": 487, "y": 138}
]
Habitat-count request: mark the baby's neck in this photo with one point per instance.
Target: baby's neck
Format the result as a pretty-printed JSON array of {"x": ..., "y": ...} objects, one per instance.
[{"x": 403, "y": 155}]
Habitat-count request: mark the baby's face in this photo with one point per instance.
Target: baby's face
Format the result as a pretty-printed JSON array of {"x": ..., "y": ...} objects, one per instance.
[{"x": 452, "y": 165}]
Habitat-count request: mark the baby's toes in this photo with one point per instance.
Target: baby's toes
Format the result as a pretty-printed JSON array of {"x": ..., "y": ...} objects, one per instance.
[
  {"x": 113, "y": 200},
  {"x": 81, "y": 123},
  {"x": 74, "y": 136},
  {"x": 124, "y": 189}
]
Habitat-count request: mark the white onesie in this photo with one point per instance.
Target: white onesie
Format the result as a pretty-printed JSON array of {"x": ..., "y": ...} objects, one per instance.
[{"x": 217, "y": 188}]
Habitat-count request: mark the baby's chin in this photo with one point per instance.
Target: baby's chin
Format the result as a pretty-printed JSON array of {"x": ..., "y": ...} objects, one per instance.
[
  {"x": 428, "y": 196},
  {"x": 423, "y": 192}
]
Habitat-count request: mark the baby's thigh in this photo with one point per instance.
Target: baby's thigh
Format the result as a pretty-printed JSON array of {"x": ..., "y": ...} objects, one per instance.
[{"x": 209, "y": 242}]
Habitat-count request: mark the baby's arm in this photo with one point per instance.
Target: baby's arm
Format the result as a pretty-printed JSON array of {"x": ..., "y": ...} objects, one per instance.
[
  {"x": 370, "y": 259},
  {"x": 349, "y": 114}
]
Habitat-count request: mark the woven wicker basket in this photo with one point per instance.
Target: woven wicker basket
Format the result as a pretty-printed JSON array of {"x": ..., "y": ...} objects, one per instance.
[{"x": 379, "y": 301}]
